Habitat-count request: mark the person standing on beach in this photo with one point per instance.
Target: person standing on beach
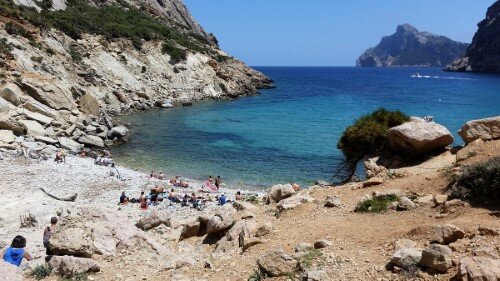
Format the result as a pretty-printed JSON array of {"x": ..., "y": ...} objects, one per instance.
[
  {"x": 143, "y": 201},
  {"x": 47, "y": 234},
  {"x": 218, "y": 182}
]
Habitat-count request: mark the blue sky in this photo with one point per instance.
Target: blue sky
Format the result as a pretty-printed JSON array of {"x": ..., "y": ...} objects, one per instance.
[{"x": 326, "y": 32}]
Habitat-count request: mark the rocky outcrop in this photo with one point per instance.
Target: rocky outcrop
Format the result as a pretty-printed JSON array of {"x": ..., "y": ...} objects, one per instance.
[
  {"x": 478, "y": 269},
  {"x": 153, "y": 219},
  {"x": 437, "y": 257},
  {"x": 418, "y": 138},
  {"x": 485, "y": 129},
  {"x": 279, "y": 192},
  {"x": 483, "y": 54},
  {"x": 446, "y": 234},
  {"x": 277, "y": 263},
  {"x": 409, "y": 47},
  {"x": 68, "y": 266},
  {"x": 72, "y": 86}
]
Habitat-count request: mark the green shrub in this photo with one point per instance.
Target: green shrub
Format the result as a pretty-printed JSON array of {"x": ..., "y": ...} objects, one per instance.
[
  {"x": 50, "y": 51},
  {"x": 75, "y": 55},
  {"x": 307, "y": 260},
  {"x": 45, "y": 4},
  {"x": 176, "y": 54},
  {"x": 479, "y": 183},
  {"x": 41, "y": 271},
  {"x": 13, "y": 28},
  {"x": 257, "y": 275},
  {"x": 36, "y": 59},
  {"x": 368, "y": 134},
  {"x": 376, "y": 205}
]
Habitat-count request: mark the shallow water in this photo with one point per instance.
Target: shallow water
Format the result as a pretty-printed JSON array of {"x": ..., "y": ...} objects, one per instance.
[{"x": 290, "y": 133}]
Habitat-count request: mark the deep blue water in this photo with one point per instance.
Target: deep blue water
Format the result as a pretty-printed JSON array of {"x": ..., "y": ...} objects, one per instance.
[{"x": 290, "y": 133}]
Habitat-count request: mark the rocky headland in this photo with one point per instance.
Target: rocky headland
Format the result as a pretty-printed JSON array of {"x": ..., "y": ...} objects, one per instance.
[
  {"x": 483, "y": 54},
  {"x": 410, "y": 47},
  {"x": 69, "y": 67}
]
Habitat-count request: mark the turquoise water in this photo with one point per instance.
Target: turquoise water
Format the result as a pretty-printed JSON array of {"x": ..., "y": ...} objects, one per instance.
[{"x": 290, "y": 133}]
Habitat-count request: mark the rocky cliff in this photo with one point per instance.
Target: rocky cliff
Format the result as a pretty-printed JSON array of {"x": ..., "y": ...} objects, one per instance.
[
  {"x": 483, "y": 55},
  {"x": 409, "y": 47},
  {"x": 68, "y": 66}
]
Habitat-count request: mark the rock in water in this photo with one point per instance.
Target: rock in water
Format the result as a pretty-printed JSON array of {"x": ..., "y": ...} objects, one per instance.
[
  {"x": 68, "y": 266},
  {"x": 418, "y": 138},
  {"x": 478, "y": 269},
  {"x": 437, "y": 257},
  {"x": 119, "y": 132},
  {"x": 277, "y": 263},
  {"x": 409, "y": 47},
  {"x": 483, "y": 54},
  {"x": 485, "y": 129}
]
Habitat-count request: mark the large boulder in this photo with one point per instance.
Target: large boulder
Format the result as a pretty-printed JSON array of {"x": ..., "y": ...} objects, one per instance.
[
  {"x": 446, "y": 234},
  {"x": 70, "y": 144},
  {"x": 6, "y": 105},
  {"x": 222, "y": 221},
  {"x": 88, "y": 232},
  {"x": 437, "y": 257},
  {"x": 293, "y": 202},
  {"x": 277, "y": 263},
  {"x": 91, "y": 140},
  {"x": 8, "y": 121},
  {"x": 89, "y": 105},
  {"x": 7, "y": 136},
  {"x": 118, "y": 132},
  {"x": 418, "y": 137},
  {"x": 153, "y": 219},
  {"x": 33, "y": 128},
  {"x": 190, "y": 228},
  {"x": 68, "y": 266},
  {"x": 12, "y": 93},
  {"x": 279, "y": 192},
  {"x": 485, "y": 129},
  {"x": 40, "y": 118},
  {"x": 478, "y": 269}
]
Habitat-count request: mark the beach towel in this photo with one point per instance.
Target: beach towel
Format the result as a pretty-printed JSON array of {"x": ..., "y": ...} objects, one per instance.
[{"x": 207, "y": 185}]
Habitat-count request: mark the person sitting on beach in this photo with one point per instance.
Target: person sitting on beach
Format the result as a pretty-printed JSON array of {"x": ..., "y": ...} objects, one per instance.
[
  {"x": 238, "y": 196},
  {"x": 47, "y": 233},
  {"x": 152, "y": 174},
  {"x": 143, "y": 201},
  {"x": 222, "y": 199},
  {"x": 114, "y": 172},
  {"x": 185, "y": 201},
  {"x": 16, "y": 252},
  {"x": 173, "y": 180},
  {"x": 161, "y": 176},
  {"x": 172, "y": 196},
  {"x": 123, "y": 199},
  {"x": 210, "y": 179},
  {"x": 60, "y": 156},
  {"x": 218, "y": 182},
  {"x": 183, "y": 184}
]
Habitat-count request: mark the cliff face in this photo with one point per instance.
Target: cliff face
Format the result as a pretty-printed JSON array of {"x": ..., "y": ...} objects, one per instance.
[
  {"x": 75, "y": 63},
  {"x": 409, "y": 47},
  {"x": 483, "y": 55}
]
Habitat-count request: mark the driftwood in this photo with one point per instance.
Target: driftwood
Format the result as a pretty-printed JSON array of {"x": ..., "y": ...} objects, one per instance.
[{"x": 71, "y": 198}]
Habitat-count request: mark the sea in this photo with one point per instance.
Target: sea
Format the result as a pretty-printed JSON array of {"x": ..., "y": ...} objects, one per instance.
[{"x": 290, "y": 133}]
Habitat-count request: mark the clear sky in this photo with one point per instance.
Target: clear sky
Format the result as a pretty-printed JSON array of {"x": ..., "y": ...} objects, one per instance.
[{"x": 326, "y": 32}]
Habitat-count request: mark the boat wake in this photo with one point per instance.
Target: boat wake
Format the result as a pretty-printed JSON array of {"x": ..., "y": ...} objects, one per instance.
[{"x": 441, "y": 77}]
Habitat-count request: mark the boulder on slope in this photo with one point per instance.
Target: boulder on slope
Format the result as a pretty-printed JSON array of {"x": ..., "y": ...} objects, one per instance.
[
  {"x": 68, "y": 266},
  {"x": 478, "y": 269},
  {"x": 485, "y": 129},
  {"x": 417, "y": 138}
]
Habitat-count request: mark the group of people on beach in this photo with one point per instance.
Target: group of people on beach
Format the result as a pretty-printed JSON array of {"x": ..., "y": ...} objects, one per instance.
[{"x": 16, "y": 252}]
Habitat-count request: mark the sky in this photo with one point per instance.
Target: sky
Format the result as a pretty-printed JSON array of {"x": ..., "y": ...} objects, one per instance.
[{"x": 326, "y": 32}]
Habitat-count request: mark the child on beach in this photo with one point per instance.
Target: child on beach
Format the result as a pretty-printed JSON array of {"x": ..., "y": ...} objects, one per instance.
[
  {"x": 15, "y": 253},
  {"x": 47, "y": 234}
]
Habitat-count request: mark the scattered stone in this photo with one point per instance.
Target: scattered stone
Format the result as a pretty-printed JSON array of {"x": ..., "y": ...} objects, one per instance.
[
  {"x": 33, "y": 128},
  {"x": 437, "y": 257},
  {"x": 119, "y": 132},
  {"x": 264, "y": 229},
  {"x": 42, "y": 119},
  {"x": 383, "y": 195},
  {"x": 91, "y": 140},
  {"x": 446, "y": 234},
  {"x": 279, "y": 192},
  {"x": 426, "y": 200},
  {"x": 294, "y": 202},
  {"x": 486, "y": 231},
  {"x": 373, "y": 182},
  {"x": 222, "y": 220},
  {"x": 317, "y": 275},
  {"x": 89, "y": 105},
  {"x": 406, "y": 257},
  {"x": 485, "y": 129},
  {"x": 440, "y": 199},
  {"x": 277, "y": 263},
  {"x": 10, "y": 272},
  {"x": 323, "y": 243},
  {"x": 12, "y": 93},
  {"x": 303, "y": 247},
  {"x": 243, "y": 206},
  {"x": 70, "y": 144},
  {"x": 46, "y": 140},
  {"x": 322, "y": 183},
  {"x": 405, "y": 204},
  {"x": 7, "y": 136},
  {"x": 332, "y": 201},
  {"x": 478, "y": 269},
  {"x": 153, "y": 219},
  {"x": 69, "y": 266}
]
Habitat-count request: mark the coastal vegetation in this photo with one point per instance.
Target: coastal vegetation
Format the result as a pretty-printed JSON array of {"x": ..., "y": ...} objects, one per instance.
[
  {"x": 367, "y": 136},
  {"x": 479, "y": 183},
  {"x": 376, "y": 204},
  {"x": 110, "y": 21}
]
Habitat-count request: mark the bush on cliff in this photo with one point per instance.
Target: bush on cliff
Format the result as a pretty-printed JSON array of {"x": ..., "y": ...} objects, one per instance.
[
  {"x": 366, "y": 136},
  {"x": 479, "y": 183}
]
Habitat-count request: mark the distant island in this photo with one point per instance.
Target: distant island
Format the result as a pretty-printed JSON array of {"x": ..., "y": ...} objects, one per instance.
[
  {"x": 483, "y": 55},
  {"x": 410, "y": 47}
]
